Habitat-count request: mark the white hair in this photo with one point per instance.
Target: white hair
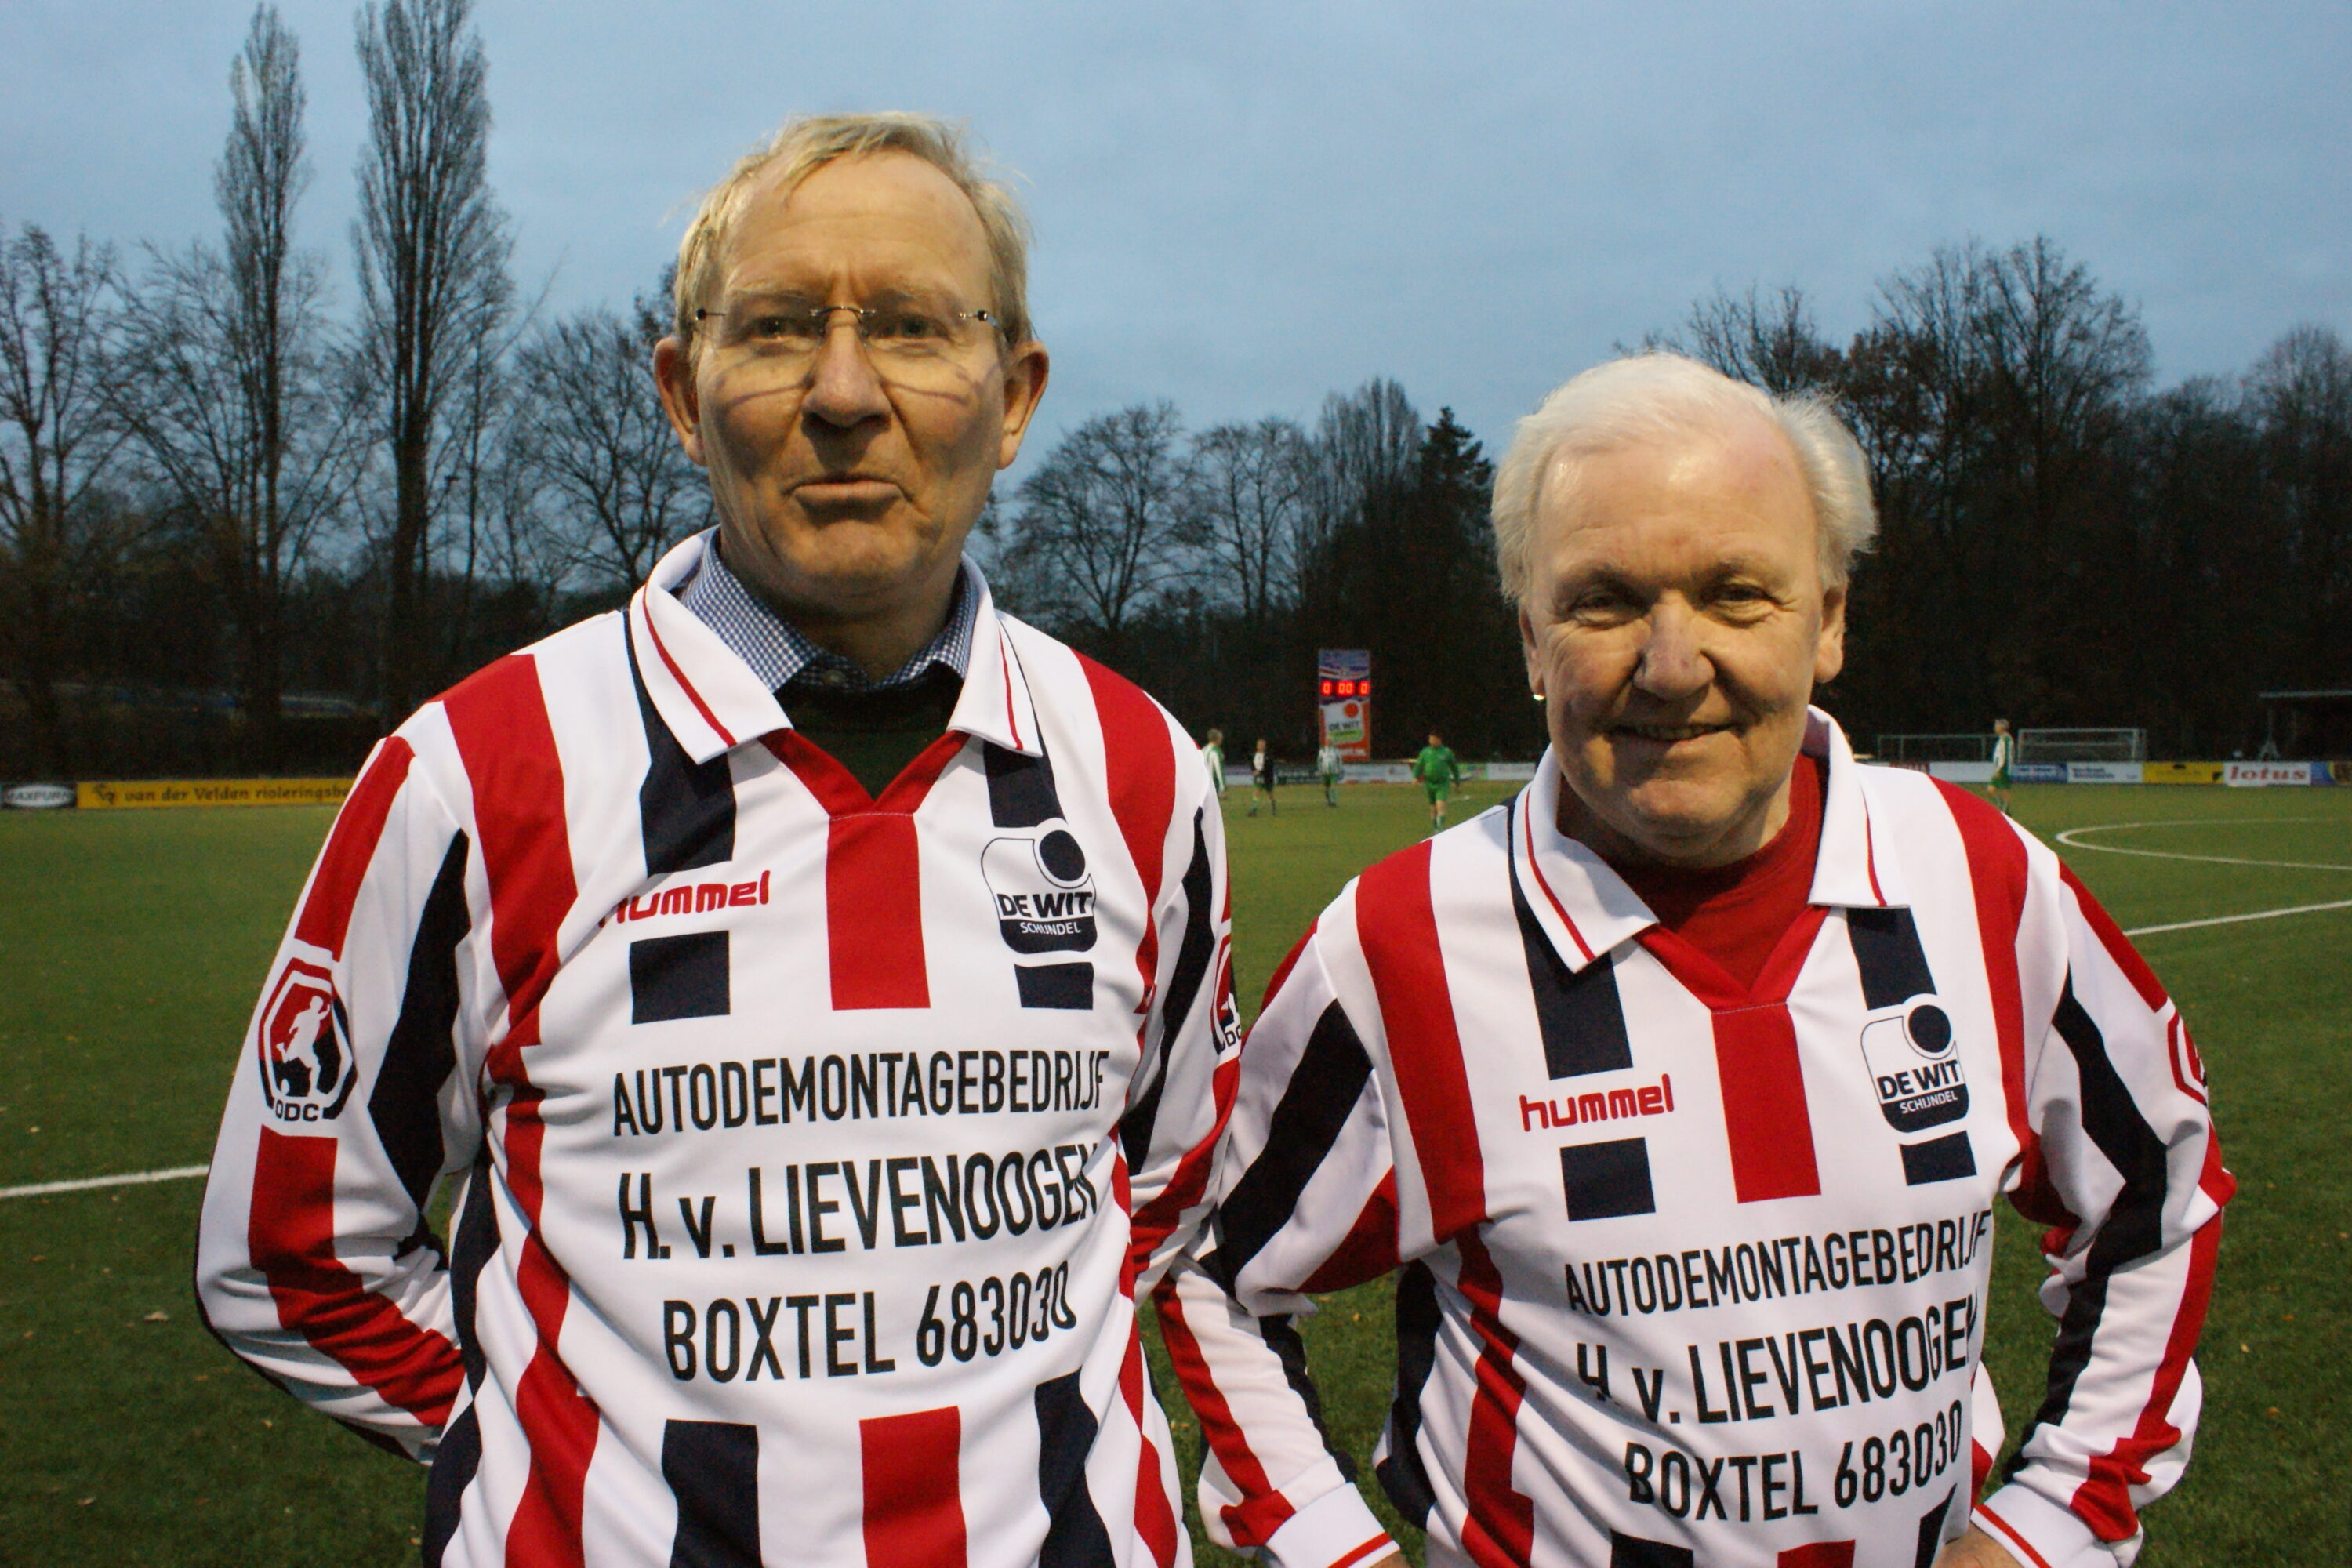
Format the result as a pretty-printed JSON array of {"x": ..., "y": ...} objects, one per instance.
[{"x": 1652, "y": 397}]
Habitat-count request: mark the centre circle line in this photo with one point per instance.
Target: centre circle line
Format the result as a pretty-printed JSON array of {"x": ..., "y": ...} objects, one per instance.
[{"x": 2072, "y": 838}]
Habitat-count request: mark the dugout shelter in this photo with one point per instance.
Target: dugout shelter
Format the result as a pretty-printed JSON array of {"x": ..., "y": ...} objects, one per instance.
[{"x": 2306, "y": 724}]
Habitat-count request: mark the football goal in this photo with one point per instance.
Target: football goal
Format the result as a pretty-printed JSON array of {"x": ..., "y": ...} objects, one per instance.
[
  {"x": 1953, "y": 748},
  {"x": 2082, "y": 745}
]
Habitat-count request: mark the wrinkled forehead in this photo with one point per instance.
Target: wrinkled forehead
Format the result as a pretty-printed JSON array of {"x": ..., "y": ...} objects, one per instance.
[
  {"x": 1733, "y": 478},
  {"x": 888, "y": 219}
]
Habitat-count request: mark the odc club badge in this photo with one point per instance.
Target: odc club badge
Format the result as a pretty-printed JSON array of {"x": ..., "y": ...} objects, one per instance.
[{"x": 305, "y": 1060}]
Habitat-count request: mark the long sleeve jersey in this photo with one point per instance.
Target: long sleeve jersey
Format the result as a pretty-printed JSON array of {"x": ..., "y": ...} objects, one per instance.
[
  {"x": 808, "y": 1147},
  {"x": 1696, "y": 1274}
]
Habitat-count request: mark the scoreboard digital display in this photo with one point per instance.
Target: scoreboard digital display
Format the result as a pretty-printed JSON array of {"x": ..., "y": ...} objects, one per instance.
[{"x": 1343, "y": 701}]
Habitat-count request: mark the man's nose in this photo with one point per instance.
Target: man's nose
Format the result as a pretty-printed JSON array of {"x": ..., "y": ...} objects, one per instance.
[
  {"x": 1673, "y": 664},
  {"x": 843, "y": 388}
]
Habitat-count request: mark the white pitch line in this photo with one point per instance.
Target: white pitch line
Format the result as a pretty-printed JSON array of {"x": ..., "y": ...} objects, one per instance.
[
  {"x": 42, "y": 1189},
  {"x": 2229, "y": 920},
  {"x": 2070, "y": 838}
]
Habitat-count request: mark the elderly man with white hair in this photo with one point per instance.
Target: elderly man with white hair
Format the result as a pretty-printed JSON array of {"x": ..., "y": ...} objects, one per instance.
[{"x": 1679, "y": 1089}]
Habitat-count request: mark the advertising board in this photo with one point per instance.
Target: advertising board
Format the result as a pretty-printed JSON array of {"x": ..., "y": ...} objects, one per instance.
[
  {"x": 115, "y": 795},
  {"x": 2039, "y": 773},
  {"x": 2180, "y": 773},
  {"x": 2103, "y": 773},
  {"x": 2257, "y": 775},
  {"x": 36, "y": 796}
]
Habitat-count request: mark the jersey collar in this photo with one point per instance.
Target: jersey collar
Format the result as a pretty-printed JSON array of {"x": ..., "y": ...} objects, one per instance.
[
  {"x": 1858, "y": 867},
  {"x": 712, "y": 701},
  {"x": 1586, "y": 910}
]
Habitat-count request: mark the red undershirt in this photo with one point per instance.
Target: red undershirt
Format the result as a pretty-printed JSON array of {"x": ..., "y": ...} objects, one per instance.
[{"x": 1736, "y": 914}]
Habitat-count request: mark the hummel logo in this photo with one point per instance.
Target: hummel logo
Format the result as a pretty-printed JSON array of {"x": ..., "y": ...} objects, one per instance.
[
  {"x": 690, "y": 899},
  {"x": 1569, "y": 1109}
]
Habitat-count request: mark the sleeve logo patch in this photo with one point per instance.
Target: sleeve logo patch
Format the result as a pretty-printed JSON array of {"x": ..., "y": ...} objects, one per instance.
[
  {"x": 1228, "y": 1020},
  {"x": 303, "y": 1050},
  {"x": 1915, "y": 1067}
]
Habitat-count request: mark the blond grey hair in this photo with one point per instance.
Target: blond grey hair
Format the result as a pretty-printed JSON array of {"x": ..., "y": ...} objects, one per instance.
[
  {"x": 1650, "y": 398},
  {"x": 806, "y": 144}
]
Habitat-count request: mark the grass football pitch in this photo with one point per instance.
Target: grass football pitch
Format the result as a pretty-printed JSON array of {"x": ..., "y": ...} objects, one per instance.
[{"x": 133, "y": 946}]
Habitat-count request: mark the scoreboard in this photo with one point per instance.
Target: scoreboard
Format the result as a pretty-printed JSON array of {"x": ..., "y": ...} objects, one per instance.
[{"x": 1343, "y": 697}]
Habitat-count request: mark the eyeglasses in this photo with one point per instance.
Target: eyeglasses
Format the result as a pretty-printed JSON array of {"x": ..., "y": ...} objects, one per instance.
[{"x": 914, "y": 344}]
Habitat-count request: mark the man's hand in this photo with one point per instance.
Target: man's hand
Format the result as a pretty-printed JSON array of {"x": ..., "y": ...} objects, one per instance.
[{"x": 1976, "y": 1549}]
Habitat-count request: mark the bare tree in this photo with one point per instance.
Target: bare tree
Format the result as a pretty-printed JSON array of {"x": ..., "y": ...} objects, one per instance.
[
  {"x": 1766, "y": 340},
  {"x": 1249, "y": 486},
  {"x": 1992, "y": 391},
  {"x": 233, "y": 397},
  {"x": 1366, "y": 439},
  {"x": 1366, "y": 444},
  {"x": 2065, "y": 359},
  {"x": 433, "y": 247},
  {"x": 478, "y": 452},
  {"x": 2300, "y": 392},
  {"x": 618, "y": 485},
  {"x": 58, "y": 440},
  {"x": 1099, "y": 529}
]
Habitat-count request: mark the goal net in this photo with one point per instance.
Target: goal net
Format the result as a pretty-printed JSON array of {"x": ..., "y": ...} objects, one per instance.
[
  {"x": 2082, "y": 745},
  {"x": 1951, "y": 748}
]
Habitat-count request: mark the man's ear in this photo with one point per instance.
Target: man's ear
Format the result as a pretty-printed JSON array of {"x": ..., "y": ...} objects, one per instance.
[
  {"x": 1829, "y": 648},
  {"x": 1025, "y": 370},
  {"x": 681, "y": 399}
]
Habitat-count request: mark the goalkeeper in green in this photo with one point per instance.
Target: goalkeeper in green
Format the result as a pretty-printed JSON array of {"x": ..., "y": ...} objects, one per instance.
[{"x": 1439, "y": 771}]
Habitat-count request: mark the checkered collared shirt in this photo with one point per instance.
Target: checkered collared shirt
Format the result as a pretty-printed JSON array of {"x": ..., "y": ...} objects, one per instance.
[{"x": 777, "y": 651}]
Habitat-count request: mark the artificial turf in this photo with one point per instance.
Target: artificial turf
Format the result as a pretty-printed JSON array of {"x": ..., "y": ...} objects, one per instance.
[{"x": 133, "y": 943}]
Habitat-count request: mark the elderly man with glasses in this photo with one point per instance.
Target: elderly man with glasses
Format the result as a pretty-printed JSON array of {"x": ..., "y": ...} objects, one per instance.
[
  {"x": 811, "y": 984},
  {"x": 1679, "y": 1091}
]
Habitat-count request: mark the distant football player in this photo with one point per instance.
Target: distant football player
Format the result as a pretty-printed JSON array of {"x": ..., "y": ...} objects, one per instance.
[
  {"x": 1262, "y": 779},
  {"x": 2004, "y": 752},
  {"x": 1439, "y": 771},
  {"x": 1680, "y": 1090},
  {"x": 1327, "y": 768},
  {"x": 1213, "y": 759},
  {"x": 812, "y": 981}
]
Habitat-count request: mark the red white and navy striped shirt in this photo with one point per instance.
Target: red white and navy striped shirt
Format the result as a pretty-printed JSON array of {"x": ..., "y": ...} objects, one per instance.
[
  {"x": 1695, "y": 1271},
  {"x": 808, "y": 1147}
]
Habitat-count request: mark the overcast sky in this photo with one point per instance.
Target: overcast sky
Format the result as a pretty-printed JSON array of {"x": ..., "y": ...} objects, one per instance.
[{"x": 1245, "y": 208}]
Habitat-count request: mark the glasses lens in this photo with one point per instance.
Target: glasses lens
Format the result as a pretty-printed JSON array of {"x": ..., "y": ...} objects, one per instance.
[
  {"x": 922, "y": 345},
  {"x": 916, "y": 342}
]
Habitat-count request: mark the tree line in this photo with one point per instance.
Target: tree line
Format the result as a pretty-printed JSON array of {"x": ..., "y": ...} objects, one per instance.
[
  {"x": 2062, "y": 542},
  {"x": 242, "y": 529}
]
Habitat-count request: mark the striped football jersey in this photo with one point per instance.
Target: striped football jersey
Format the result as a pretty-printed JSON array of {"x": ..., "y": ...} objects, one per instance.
[
  {"x": 807, "y": 1149},
  {"x": 1695, "y": 1273}
]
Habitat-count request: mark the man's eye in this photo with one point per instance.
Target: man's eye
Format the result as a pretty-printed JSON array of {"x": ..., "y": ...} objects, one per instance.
[{"x": 909, "y": 326}]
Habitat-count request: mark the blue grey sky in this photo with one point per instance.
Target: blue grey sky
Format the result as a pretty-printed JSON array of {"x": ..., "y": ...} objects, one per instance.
[{"x": 1244, "y": 208}]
